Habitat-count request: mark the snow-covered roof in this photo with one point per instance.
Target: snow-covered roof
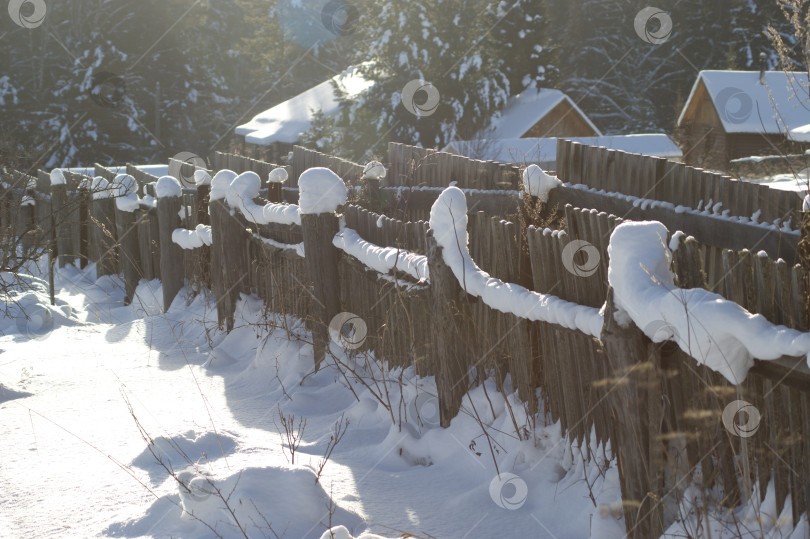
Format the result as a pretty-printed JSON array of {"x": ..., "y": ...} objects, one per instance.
[
  {"x": 746, "y": 105},
  {"x": 286, "y": 121},
  {"x": 800, "y": 134},
  {"x": 527, "y": 108},
  {"x": 544, "y": 150}
]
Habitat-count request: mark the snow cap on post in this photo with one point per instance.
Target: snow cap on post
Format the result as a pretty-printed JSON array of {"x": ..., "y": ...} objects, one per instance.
[
  {"x": 100, "y": 188},
  {"x": 127, "y": 196},
  {"x": 538, "y": 183},
  {"x": 320, "y": 191},
  {"x": 202, "y": 177},
  {"x": 448, "y": 220},
  {"x": 126, "y": 185},
  {"x": 243, "y": 189},
  {"x": 220, "y": 183},
  {"x": 277, "y": 175},
  {"x": 167, "y": 187},
  {"x": 374, "y": 170},
  {"x": 57, "y": 177}
]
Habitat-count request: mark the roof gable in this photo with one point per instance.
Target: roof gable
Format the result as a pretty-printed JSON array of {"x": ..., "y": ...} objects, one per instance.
[
  {"x": 527, "y": 108},
  {"x": 745, "y": 105}
]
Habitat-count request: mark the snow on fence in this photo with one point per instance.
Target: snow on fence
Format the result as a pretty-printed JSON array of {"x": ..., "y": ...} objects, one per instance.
[
  {"x": 635, "y": 385},
  {"x": 656, "y": 178}
]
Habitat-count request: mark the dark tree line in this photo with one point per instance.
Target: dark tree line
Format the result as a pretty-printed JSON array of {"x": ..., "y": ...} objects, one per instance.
[{"x": 115, "y": 81}]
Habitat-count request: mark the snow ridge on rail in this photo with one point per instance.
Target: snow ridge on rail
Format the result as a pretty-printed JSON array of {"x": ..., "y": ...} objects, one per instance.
[
  {"x": 381, "y": 259},
  {"x": 239, "y": 191},
  {"x": 192, "y": 239},
  {"x": 297, "y": 248},
  {"x": 713, "y": 330},
  {"x": 448, "y": 221}
]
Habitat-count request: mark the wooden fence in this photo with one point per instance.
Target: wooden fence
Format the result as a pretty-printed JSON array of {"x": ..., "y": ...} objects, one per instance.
[
  {"x": 659, "y": 179},
  {"x": 304, "y": 158},
  {"x": 419, "y": 167},
  {"x": 658, "y": 408}
]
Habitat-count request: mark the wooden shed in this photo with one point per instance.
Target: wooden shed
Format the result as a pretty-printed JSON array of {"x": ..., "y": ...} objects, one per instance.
[
  {"x": 540, "y": 113},
  {"x": 734, "y": 114}
]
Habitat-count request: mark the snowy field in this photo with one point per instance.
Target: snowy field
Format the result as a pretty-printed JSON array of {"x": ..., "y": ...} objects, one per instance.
[{"x": 80, "y": 398}]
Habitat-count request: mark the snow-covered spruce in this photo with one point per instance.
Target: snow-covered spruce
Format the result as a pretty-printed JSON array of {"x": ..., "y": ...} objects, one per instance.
[
  {"x": 167, "y": 187},
  {"x": 220, "y": 183},
  {"x": 448, "y": 222},
  {"x": 277, "y": 175},
  {"x": 537, "y": 183},
  {"x": 320, "y": 191},
  {"x": 202, "y": 177},
  {"x": 374, "y": 170},
  {"x": 192, "y": 239},
  {"x": 381, "y": 259},
  {"x": 57, "y": 177},
  {"x": 716, "y": 332}
]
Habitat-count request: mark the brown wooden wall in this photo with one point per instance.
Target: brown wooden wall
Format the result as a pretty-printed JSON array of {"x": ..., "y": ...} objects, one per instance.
[{"x": 561, "y": 121}]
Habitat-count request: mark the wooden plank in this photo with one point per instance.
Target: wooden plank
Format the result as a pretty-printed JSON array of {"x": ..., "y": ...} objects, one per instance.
[{"x": 322, "y": 260}]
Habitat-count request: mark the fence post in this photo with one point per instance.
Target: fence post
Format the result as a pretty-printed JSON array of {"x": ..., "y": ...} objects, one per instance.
[
  {"x": 275, "y": 179},
  {"x": 321, "y": 193},
  {"x": 126, "y": 221},
  {"x": 219, "y": 215},
  {"x": 635, "y": 399},
  {"x": 83, "y": 201},
  {"x": 448, "y": 313},
  {"x": 103, "y": 231},
  {"x": 203, "y": 254},
  {"x": 29, "y": 221},
  {"x": 169, "y": 199},
  {"x": 322, "y": 269},
  {"x": 804, "y": 243},
  {"x": 60, "y": 213}
]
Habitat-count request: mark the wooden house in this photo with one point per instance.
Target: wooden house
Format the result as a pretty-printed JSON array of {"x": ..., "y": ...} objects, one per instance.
[
  {"x": 540, "y": 113},
  {"x": 735, "y": 114}
]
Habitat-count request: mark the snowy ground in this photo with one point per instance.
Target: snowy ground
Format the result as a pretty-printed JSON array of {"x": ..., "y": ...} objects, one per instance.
[
  {"x": 74, "y": 462},
  {"x": 83, "y": 384}
]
